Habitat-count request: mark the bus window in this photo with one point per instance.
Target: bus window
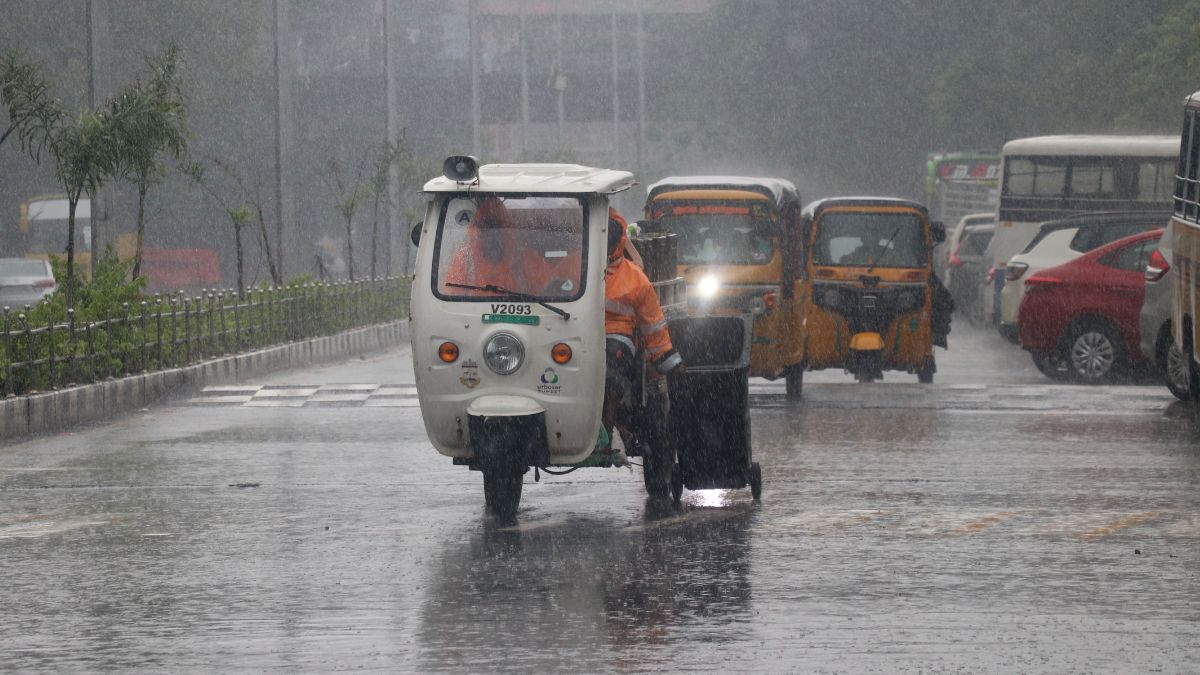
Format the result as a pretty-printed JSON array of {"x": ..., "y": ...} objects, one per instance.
[{"x": 1035, "y": 176}]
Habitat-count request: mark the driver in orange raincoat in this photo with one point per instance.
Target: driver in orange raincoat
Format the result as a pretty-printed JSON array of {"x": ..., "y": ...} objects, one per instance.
[{"x": 633, "y": 320}]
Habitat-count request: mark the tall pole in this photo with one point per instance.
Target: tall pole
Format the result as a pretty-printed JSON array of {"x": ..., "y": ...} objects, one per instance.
[
  {"x": 393, "y": 134},
  {"x": 616, "y": 97},
  {"x": 560, "y": 77},
  {"x": 92, "y": 48},
  {"x": 283, "y": 202},
  {"x": 641, "y": 83},
  {"x": 473, "y": 41},
  {"x": 524, "y": 84}
]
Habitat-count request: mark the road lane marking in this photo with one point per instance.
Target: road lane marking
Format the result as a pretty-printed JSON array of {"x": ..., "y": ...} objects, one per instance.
[
  {"x": 1123, "y": 523},
  {"x": 981, "y": 524}
]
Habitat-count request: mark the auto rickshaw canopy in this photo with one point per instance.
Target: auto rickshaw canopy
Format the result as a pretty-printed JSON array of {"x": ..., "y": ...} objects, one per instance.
[
  {"x": 780, "y": 191},
  {"x": 539, "y": 178}
]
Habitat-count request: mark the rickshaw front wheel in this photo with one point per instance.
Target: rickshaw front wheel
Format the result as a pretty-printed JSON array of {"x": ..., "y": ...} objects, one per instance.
[
  {"x": 502, "y": 492},
  {"x": 657, "y": 468},
  {"x": 794, "y": 379},
  {"x": 756, "y": 482}
]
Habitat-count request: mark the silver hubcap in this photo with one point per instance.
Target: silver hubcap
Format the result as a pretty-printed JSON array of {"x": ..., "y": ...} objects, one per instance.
[
  {"x": 1177, "y": 368},
  {"x": 1092, "y": 355}
]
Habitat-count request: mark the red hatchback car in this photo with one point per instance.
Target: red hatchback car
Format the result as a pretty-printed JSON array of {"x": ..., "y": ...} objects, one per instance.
[{"x": 1080, "y": 320}]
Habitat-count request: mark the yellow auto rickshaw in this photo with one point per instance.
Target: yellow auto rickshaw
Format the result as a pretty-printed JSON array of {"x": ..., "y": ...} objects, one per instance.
[
  {"x": 873, "y": 289},
  {"x": 737, "y": 240}
]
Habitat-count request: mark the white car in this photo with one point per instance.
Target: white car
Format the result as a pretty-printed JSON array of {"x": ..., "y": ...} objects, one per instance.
[
  {"x": 943, "y": 251},
  {"x": 25, "y": 281},
  {"x": 1060, "y": 241}
]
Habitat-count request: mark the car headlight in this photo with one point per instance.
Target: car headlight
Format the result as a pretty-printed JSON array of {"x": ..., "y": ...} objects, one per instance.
[
  {"x": 708, "y": 287},
  {"x": 503, "y": 353}
]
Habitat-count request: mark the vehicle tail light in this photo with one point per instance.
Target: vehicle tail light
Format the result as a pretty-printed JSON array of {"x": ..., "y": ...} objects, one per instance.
[
  {"x": 448, "y": 352},
  {"x": 769, "y": 300},
  {"x": 44, "y": 283},
  {"x": 561, "y": 353},
  {"x": 1158, "y": 266},
  {"x": 1014, "y": 271},
  {"x": 1039, "y": 281}
]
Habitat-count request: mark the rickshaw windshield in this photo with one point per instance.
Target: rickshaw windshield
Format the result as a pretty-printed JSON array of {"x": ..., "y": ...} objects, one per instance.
[
  {"x": 869, "y": 240},
  {"x": 509, "y": 246},
  {"x": 720, "y": 234}
]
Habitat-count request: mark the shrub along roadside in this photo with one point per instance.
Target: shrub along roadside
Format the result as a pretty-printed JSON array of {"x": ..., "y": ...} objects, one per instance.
[{"x": 117, "y": 329}]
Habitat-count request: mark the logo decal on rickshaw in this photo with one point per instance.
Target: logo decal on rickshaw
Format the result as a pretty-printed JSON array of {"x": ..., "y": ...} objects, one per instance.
[
  {"x": 470, "y": 376},
  {"x": 463, "y": 217},
  {"x": 511, "y": 318},
  {"x": 549, "y": 383}
]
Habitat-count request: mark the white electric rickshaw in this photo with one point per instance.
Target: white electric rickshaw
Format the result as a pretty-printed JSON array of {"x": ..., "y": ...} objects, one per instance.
[{"x": 508, "y": 337}]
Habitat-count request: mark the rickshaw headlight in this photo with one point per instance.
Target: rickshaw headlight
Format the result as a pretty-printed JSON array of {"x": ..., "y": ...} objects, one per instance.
[
  {"x": 708, "y": 287},
  {"x": 907, "y": 301},
  {"x": 503, "y": 353},
  {"x": 832, "y": 298},
  {"x": 757, "y": 306},
  {"x": 448, "y": 352},
  {"x": 561, "y": 353}
]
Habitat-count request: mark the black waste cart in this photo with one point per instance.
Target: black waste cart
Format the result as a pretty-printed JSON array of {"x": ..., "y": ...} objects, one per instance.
[{"x": 710, "y": 405}]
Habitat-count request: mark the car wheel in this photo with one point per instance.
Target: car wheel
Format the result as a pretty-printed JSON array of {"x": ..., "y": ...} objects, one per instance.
[
  {"x": 1053, "y": 365},
  {"x": 1093, "y": 353},
  {"x": 1174, "y": 366}
]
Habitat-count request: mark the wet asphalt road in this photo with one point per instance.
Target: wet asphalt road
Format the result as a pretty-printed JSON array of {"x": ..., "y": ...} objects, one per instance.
[{"x": 990, "y": 522}]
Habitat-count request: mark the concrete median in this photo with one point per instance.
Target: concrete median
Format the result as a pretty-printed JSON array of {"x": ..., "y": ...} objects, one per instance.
[{"x": 73, "y": 406}]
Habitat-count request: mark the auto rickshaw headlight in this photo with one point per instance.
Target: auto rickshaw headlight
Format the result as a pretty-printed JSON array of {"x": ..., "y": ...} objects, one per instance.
[
  {"x": 448, "y": 352},
  {"x": 708, "y": 287},
  {"x": 561, "y": 353},
  {"x": 832, "y": 298},
  {"x": 503, "y": 353},
  {"x": 758, "y": 306}
]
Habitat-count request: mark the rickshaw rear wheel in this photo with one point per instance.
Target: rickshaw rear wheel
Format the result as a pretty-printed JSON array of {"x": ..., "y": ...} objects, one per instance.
[
  {"x": 925, "y": 374},
  {"x": 657, "y": 469},
  {"x": 502, "y": 492},
  {"x": 676, "y": 483},
  {"x": 794, "y": 382},
  {"x": 756, "y": 481}
]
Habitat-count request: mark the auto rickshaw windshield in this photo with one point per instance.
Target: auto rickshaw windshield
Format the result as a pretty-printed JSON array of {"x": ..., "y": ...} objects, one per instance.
[
  {"x": 720, "y": 235},
  {"x": 491, "y": 246},
  {"x": 870, "y": 240}
]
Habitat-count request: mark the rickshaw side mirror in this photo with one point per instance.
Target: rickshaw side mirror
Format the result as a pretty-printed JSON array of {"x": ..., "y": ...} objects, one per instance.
[
  {"x": 415, "y": 235},
  {"x": 937, "y": 230}
]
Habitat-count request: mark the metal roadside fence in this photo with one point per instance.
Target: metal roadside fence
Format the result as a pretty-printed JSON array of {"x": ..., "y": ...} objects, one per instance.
[{"x": 173, "y": 330}]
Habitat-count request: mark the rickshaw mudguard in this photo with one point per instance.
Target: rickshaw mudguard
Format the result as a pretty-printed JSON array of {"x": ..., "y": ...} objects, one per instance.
[
  {"x": 869, "y": 341},
  {"x": 508, "y": 433}
]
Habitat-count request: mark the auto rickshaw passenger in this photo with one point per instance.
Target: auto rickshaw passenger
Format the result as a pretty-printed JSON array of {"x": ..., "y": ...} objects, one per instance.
[
  {"x": 486, "y": 257},
  {"x": 633, "y": 319}
]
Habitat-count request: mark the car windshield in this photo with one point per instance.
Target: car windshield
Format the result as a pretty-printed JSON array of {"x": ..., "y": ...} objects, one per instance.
[
  {"x": 721, "y": 234},
  {"x": 491, "y": 246},
  {"x": 19, "y": 267},
  {"x": 852, "y": 239}
]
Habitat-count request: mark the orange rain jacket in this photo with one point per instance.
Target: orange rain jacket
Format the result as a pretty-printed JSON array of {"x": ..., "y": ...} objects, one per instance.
[{"x": 631, "y": 310}]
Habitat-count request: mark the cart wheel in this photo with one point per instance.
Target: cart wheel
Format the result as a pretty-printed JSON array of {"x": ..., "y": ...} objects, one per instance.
[
  {"x": 676, "y": 483},
  {"x": 502, "y": 492},
  {"x": 794, "y": 378},
  {"x": 925, "y": 374},
  {"x": 657, "y": 470},
  {"x": 756, "y": 481}
]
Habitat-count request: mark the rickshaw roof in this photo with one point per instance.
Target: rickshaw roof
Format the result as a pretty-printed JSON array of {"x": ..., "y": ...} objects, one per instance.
[
  {"x": 822, "y": 204},
  {"x": 782, "y": 191},
  {"x": 548, "y": 178},
  {"x": 1094, "y": 145}
]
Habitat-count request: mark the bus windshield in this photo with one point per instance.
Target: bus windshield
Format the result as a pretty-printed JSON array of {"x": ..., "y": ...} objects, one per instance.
[
  {"x": 849, "y": 239},
  {"x": 489, "y": 246},
  {"x": 719, "y": 234}
]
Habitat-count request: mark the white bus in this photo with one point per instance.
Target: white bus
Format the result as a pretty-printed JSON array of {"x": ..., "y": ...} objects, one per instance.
[{"x": 1051, "y": 177}]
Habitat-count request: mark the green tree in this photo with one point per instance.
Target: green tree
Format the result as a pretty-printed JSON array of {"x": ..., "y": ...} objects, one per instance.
[
  {"x": 153, "y": 121},
  {"x": 25, "y": 94},
  {"x": 240, "y": 213},
  {"x": 349, "y": 193}
]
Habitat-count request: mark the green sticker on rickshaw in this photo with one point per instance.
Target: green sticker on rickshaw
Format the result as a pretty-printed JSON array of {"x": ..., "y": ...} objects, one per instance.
[
  {"x": 912, "y": 325},
  {"x": 511, "y": 318}
]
